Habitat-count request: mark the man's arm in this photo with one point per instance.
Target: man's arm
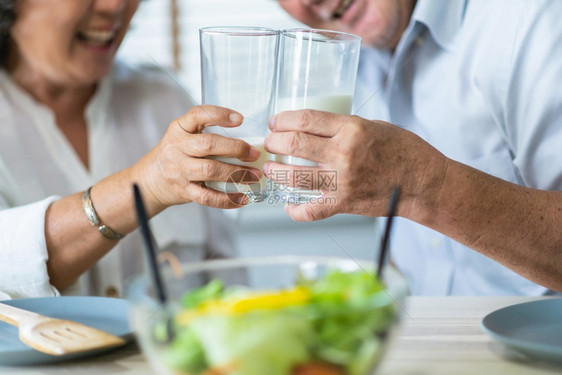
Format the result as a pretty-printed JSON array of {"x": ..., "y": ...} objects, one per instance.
[{"x": 517, "y": 226}]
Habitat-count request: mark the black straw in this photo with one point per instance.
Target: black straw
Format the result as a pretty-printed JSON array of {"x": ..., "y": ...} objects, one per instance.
[
  {"x": 384, "y": 242},
  {"x": 150, "y": 247}
]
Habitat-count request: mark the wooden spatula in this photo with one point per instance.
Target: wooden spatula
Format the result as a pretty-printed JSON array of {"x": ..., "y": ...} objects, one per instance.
[{"x": 56, "y": 336}]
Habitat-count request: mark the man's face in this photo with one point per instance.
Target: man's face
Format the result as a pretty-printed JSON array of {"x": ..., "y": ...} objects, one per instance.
[{"x": 380, "y": 23}]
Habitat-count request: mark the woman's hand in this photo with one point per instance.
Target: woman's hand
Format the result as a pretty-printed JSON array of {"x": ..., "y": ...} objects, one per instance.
[{"x": 175, "y": 171}]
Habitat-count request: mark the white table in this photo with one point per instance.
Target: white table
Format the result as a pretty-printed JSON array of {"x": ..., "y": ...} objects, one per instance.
[{"x": 440, "y": 335}]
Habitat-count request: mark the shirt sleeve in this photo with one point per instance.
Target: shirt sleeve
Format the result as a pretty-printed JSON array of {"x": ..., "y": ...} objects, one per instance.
[
  {"x": 23, "y": 252},
  {"x": 533, "y": 108},
  {"x": 369, "y": 99}
]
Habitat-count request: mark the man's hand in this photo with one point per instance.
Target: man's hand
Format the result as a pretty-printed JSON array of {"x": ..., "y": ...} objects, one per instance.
[{"x": 368, "y": 158}]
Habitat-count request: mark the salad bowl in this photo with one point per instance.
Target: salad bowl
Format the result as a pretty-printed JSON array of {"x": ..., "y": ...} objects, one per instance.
[{"x": 287, "y": 315}]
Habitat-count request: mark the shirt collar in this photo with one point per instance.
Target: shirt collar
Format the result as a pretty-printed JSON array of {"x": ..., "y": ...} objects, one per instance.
[{"x": 442, "y": 18}]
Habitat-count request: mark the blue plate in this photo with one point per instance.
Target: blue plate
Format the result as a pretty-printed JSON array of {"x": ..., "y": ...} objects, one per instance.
[
  {"x": 107, "y": 314},
  {"x": 532, "y": 328}
]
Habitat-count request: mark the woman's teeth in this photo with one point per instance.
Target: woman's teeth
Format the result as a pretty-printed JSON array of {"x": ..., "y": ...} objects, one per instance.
[{"x": 97, "y": 37}]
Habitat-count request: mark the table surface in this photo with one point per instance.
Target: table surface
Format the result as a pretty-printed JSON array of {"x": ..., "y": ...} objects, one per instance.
[{"x": 439, "y": 335}]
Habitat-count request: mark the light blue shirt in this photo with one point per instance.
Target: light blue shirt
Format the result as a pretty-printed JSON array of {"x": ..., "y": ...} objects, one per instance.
[{"x": 480, "y": 80}]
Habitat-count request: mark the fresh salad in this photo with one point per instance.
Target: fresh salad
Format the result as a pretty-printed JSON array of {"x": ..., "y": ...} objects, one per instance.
[{"x": 333, "y": 325}]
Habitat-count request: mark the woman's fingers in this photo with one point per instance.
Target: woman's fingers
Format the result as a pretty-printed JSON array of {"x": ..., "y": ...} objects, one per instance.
[
  {"x": 215, "y": 170},
  {"x": 200, "y": 117},
  {"x": 187, "y": 129},
  {"x": 202, "y": 145},
  {"x": 213, "y": 198}
]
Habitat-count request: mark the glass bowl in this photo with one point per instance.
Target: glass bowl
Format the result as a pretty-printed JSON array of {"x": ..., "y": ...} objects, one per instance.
[{"x": 289, "y": 315}]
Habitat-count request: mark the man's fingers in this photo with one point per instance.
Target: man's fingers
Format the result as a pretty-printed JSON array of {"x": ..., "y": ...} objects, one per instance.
[
  {"x": 301, "y": 145},
  {"x": 310, "y": 211},
  {"x": 306, "y": 178},
  {"x": 200, "y": 117},
  {"x": 324, "y": 124}
]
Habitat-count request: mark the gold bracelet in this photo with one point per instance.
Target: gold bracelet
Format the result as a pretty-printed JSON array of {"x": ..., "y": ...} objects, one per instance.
[{"x": 90, "y": 212}]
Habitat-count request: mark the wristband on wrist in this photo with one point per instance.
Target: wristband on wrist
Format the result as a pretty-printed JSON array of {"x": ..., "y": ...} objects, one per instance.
[{"x": 90, "y": 212}]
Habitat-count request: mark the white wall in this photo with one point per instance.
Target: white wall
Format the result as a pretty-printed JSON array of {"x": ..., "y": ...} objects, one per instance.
[{"x": 149, "y": 39}]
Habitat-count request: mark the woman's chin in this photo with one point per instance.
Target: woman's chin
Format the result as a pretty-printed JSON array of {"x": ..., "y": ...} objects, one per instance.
[{"x": 92, "y": 74}]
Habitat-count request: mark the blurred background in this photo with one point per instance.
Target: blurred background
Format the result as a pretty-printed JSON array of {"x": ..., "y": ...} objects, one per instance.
[{"x": 166, "y": 32}]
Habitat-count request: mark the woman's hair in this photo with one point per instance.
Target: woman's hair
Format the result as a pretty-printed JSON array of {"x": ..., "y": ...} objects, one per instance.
[{"x": 7, "y": 18}]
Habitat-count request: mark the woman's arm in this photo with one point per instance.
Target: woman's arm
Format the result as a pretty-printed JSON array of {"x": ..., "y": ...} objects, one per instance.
[
  {"x": 171, "y": 173},
  {"x": 23, "y": 252}
]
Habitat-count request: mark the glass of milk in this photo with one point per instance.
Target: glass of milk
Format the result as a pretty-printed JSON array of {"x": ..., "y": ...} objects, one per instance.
[
  {"x": 317, "y": 70},
  {"x": 239, "y": 71}
]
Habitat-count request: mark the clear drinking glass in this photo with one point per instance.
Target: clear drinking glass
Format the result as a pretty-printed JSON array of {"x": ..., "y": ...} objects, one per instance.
[
  {"x": 317, "y": 70},
  {"x": 239, "y": 71}
]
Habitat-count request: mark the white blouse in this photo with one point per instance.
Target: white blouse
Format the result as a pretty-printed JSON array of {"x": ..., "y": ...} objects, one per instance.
[{"x": 128, "y": 115}]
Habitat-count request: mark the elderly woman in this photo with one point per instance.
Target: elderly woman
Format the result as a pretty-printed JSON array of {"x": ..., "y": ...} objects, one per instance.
[{"x": 76, "y": 131}]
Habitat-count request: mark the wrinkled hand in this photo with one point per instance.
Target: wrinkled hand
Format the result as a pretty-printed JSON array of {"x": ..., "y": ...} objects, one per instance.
[
  {"x": 174, "y": 171},
  {"x": 369, "y": 158}
]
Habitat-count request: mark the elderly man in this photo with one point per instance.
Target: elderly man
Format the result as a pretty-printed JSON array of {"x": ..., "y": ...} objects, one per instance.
[{"x": 474, "y": 88}]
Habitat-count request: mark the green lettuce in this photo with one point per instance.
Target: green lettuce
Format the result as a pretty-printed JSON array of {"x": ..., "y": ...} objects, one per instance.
[
  {"x": 257, "y": 343},
  {"x": 343, "y": 323},
  {"x": 213, "y": 290},
  {"x": 348, "y": 311},
  {"x": 186, "y": 353}
]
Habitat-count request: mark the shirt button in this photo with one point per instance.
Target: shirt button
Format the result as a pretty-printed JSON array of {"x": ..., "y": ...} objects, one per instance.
[
  {"x": 436, "y": 242},
  {"x": 111, "y": 291}
]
